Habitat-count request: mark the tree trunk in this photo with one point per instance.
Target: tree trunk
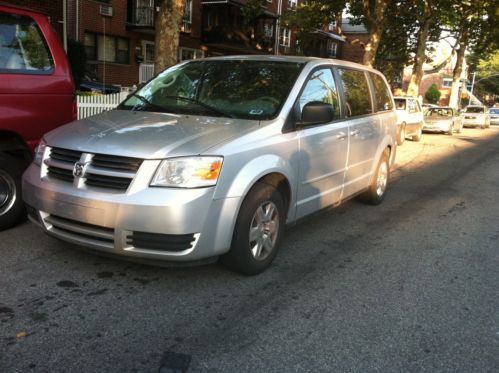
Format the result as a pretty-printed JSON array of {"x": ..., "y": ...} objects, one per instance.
[
  {"x": 417, "y": 69},
  {"x": 458, "y": 69},
  {"x": 372, "y": 46},
  {"x": 376, "y": 21},
  {"x": 167, "y": 28}
]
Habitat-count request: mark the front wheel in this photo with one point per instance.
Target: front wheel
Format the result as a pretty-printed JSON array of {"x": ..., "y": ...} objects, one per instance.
[
  {"x": 375, "y": 194},
  {"x": 258, "y": 231},
  {"x": 11, "y": 205}
]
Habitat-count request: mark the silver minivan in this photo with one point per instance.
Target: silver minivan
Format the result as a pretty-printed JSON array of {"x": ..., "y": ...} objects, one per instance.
[{"x": 214, "y": 157}]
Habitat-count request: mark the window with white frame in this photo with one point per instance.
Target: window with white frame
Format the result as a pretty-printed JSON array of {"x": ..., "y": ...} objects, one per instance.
[
  {"x": 285, "y": 37},
  {"x": 292, "y": 3},
  {"x": 268, "y": 30},
  {"x": 187, "y": 19},
  {"x": 447, "y": 82},
  {"x": 189, "y": 54}
]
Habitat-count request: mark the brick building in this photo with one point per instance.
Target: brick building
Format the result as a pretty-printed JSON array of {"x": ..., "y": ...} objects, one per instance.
[{"x": 119, "y": 34}]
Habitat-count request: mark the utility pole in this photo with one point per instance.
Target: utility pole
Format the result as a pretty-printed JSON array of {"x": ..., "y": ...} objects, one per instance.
[{"x": 472, "y": 85}]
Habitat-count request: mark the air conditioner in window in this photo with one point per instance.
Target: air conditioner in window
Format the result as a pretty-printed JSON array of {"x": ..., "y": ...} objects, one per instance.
[{"x": 106, "y": 10}]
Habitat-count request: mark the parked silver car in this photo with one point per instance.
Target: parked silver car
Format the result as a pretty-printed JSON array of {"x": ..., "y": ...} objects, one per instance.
[
  {"x": 214, "y": 157},
  {"x": 442, "y": 119}
]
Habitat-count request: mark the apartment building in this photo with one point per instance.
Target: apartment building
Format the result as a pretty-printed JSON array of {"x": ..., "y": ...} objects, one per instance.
[{"x": 119, "y": 34}]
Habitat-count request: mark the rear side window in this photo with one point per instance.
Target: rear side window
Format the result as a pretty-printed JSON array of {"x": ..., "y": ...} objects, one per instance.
[
  {"x": 23, "y": 48},
  {"x": 414, "y": 106},
  {"x": 383, "y": 98},
  {"x": 356, "y": 89}
]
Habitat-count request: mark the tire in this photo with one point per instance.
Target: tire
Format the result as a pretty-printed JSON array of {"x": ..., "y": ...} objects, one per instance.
[
  {"x": 401, "y": 135},
  {"x": 258, "y": 231},
  {"x": 375, "y": 194},
  {"x": 12, "y": 209},
  {"x": 417, "y": 137}
]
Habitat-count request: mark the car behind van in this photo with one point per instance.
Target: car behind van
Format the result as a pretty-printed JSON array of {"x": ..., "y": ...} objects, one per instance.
[
  {"x": 213, "y": 157},
  {"x": 36, "y": 95},
  {"x": 410, "y": 119}
]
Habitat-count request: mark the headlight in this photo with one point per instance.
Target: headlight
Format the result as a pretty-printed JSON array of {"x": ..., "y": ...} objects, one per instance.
[
  {"x": 188, "y": 172},
  {"x": 39, "y": 151}
]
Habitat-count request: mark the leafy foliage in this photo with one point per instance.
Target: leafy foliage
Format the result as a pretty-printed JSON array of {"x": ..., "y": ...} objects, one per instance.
[{"x": 432, "y": 95}]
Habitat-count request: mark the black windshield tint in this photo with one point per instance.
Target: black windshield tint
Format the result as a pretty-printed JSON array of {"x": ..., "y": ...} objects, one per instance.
[{"x": 240, "y": 89}]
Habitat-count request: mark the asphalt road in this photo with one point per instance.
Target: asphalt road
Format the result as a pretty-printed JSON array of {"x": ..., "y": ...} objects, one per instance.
[{"x": 411, "y": 285}]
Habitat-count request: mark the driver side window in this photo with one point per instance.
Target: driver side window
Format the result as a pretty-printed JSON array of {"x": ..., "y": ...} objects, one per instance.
[{"x": 320, "y": 87}]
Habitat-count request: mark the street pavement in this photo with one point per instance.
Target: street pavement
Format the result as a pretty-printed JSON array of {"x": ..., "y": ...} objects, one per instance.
[{"x": 411, "y": 285}]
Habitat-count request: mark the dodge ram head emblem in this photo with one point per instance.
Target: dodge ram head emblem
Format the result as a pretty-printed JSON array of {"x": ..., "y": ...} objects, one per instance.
[{"x": 79, "y": 169}]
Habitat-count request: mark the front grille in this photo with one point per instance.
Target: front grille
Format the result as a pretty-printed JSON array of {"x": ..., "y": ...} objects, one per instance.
[
  {"x": 111, "y": 182},
  {"x": 161, "y": 242},
  {"x": 103, "y": 171},
  {"x": 80, "y": 231},
  {"x": 60, "y": 173},
  {"x": 116, "y": 163},
  {"x": 65, "y": 155},
  {"x": 112, "y": 172},
  {"x": 61, "y": 162}
]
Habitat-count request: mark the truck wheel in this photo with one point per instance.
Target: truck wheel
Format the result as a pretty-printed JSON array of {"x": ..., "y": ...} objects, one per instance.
[
  {"x": 12, "y": 209},
  {"x": 258, "y": 231},
  {"x": 375, "y": 194}
]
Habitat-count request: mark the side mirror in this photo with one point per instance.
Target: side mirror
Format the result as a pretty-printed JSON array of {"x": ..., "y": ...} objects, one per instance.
[{"x": 316, "y": 112}]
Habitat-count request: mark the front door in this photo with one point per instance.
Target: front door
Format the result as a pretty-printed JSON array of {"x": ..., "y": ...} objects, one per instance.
[{"x": 322, "y": 149}]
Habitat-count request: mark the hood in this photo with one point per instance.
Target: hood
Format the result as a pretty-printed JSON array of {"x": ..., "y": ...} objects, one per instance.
[{"x": 147, "y": 135}]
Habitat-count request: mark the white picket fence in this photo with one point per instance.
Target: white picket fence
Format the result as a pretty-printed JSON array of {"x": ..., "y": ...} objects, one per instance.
[{"x": 91, "y": 105}]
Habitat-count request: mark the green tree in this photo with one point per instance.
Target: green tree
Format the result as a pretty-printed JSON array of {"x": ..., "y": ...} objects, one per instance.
[
  {"x": 473, "y": 24},
  {"x": 432, "y": 95}
]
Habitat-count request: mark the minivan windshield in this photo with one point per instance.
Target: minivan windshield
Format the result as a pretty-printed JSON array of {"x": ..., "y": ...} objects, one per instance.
[{"x": 242, "y": 89}]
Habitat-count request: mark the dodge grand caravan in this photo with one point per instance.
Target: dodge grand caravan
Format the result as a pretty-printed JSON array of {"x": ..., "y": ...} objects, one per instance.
[
  {"x": 213, "y": 158},
  {"x": 36, "y": 95}
]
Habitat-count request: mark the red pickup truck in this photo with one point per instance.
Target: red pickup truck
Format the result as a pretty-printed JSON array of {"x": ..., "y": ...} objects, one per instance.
[{"x": 36, "y": 95}]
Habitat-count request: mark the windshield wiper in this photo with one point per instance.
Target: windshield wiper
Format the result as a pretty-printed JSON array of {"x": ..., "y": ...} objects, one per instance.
[
  {"x": 203, "y": 105},
  {"x": 147, "y": 102}
]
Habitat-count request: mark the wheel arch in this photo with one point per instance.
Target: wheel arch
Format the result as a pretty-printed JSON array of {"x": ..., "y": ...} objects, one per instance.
[{"x": 13, "y": 144}]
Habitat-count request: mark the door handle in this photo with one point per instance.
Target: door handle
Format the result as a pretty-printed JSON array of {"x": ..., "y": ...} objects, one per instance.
[{"x": 354, "y": 133}]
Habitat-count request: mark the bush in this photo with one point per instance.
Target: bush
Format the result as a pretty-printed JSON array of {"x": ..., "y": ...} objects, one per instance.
[
  {"x": 77, "y": 60},
  {"x": 432, "y": 95}
]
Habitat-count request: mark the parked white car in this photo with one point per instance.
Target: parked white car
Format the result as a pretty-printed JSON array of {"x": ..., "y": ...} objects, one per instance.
[
  {"x": 476, "y": 116},
  {"x": 410, "y": 119}
]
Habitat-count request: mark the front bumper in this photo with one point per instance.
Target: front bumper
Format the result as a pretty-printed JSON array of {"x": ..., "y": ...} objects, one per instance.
[{"x": 144, "y": 222}]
